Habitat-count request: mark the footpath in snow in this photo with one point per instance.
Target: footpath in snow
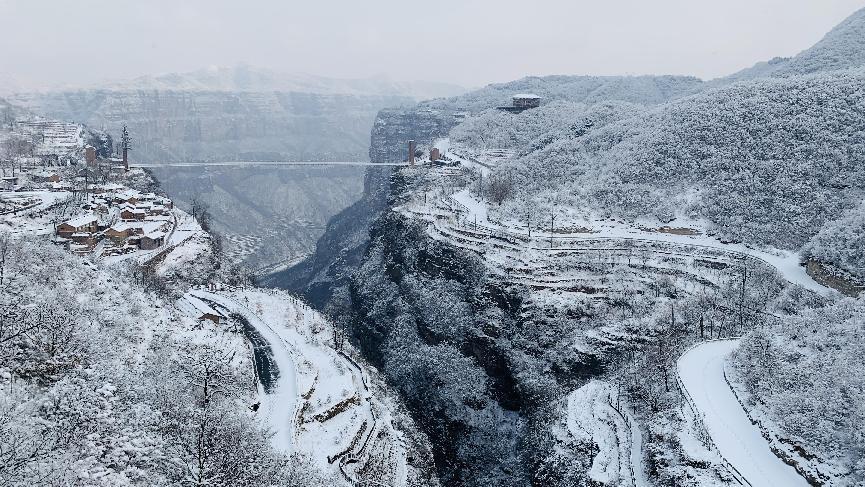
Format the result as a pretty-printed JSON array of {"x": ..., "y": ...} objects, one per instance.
[
  {"x": 701, "y": 370},
  {"x": 593, "y": 417}
]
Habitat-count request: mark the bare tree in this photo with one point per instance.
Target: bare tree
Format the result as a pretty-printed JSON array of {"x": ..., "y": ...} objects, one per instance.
[
  {"x": 61, "y": 210},
  {"x": 13, "y": 148},
  {"x": 201, "y": 213},
  {"x": 500, "y": 188}
]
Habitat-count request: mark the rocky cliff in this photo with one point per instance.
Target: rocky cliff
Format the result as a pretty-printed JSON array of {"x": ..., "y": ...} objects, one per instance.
[
  {"x": 269, "y": 216},
  {"x": 172, "y": 125},
  {"x": 340, "y": 250}
]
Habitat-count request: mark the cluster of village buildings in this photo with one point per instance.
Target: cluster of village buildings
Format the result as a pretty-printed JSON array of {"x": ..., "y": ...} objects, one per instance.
[{"x": 118, "y": 221}]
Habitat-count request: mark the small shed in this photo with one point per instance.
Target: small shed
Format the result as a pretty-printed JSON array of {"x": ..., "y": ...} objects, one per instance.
[{"x": 203, "y": 311}]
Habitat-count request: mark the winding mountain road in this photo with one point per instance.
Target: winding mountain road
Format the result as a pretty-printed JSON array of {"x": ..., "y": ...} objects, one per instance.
[
  {"x": 279, "y": 405},
  {"x": 701, "y": 370}
]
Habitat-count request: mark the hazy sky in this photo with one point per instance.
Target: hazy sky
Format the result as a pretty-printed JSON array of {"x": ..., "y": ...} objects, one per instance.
[{"x": 469, "y": 42}]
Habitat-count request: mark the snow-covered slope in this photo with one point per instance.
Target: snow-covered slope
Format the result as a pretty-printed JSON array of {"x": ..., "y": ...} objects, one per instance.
[
  {"x": 596, "y": 415},
  {"x": 842, "y": 48},
  {"x": 322, "y": 402},
  {"x": 719, "y": 155},
  {"x": 648, "y": 90}
]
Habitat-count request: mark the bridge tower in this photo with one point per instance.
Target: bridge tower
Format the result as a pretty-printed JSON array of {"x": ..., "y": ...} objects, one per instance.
[
  {"x": 411, "y": 150},
  {"x": 125, "y": 145}
]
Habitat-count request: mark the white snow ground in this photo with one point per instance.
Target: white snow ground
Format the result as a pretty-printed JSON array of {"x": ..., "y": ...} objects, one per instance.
[{"x": 701, "y": 371}]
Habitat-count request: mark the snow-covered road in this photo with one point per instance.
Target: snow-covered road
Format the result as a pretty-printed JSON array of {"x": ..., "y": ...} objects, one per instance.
[
  {"x": 278, "y": 409},
  {"x": 701, "y": 370}
]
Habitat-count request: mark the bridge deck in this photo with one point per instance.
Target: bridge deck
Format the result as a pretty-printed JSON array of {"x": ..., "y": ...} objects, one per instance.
[{"x": 268, "y": 163}]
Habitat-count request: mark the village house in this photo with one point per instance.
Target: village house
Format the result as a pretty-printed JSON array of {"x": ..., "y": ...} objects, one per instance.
[
  {"x": 526, "y": 101},
  {"x": 84, "y": 239},
  {"x": 522, "y": 102},
  {"x": 99, "y": 205},
  {"x": 130, "y": 197},
  {"x": 120, "y": 232},
  {"x": 157, "y": 210},
  {"x": 130, "y": 213},
  {"x": 153, "y": 240},
  {"x": 106, "y": 188},
  {"x": 87, "y": 224}
]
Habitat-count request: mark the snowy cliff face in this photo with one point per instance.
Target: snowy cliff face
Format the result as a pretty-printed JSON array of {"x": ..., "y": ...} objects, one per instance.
[
  {"x": 341, "y": 247},
  {"x": 216, "y": 125},
  {"x": 268, "y": 216},
  {"x": 477, "y": 364}
]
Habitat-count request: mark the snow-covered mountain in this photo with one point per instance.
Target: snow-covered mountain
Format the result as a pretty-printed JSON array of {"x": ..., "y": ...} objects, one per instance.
[
  {"x": 842, "y": 48},
  {"x": 532, "y": 302}
]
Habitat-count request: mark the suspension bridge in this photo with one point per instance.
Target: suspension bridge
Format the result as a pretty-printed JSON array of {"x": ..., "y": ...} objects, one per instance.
[{"x": 266, "y": 163}]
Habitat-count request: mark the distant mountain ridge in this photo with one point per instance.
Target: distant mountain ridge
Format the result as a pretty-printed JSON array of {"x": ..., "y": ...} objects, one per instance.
[{"x": 253, "y": 79}]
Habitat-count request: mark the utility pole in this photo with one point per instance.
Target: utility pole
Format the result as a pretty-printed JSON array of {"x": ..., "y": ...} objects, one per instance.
[
  {"x": 742, "y": 298},
  {"x": 552, "y": 224}
]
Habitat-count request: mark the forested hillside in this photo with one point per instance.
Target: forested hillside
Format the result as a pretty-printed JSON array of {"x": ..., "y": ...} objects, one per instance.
[
  {"x": 585, "y": 89},
  {"x": 105, "y": 383},
  {"x": 767, "y": 162},
  {"x": 799, "y": 373}
]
